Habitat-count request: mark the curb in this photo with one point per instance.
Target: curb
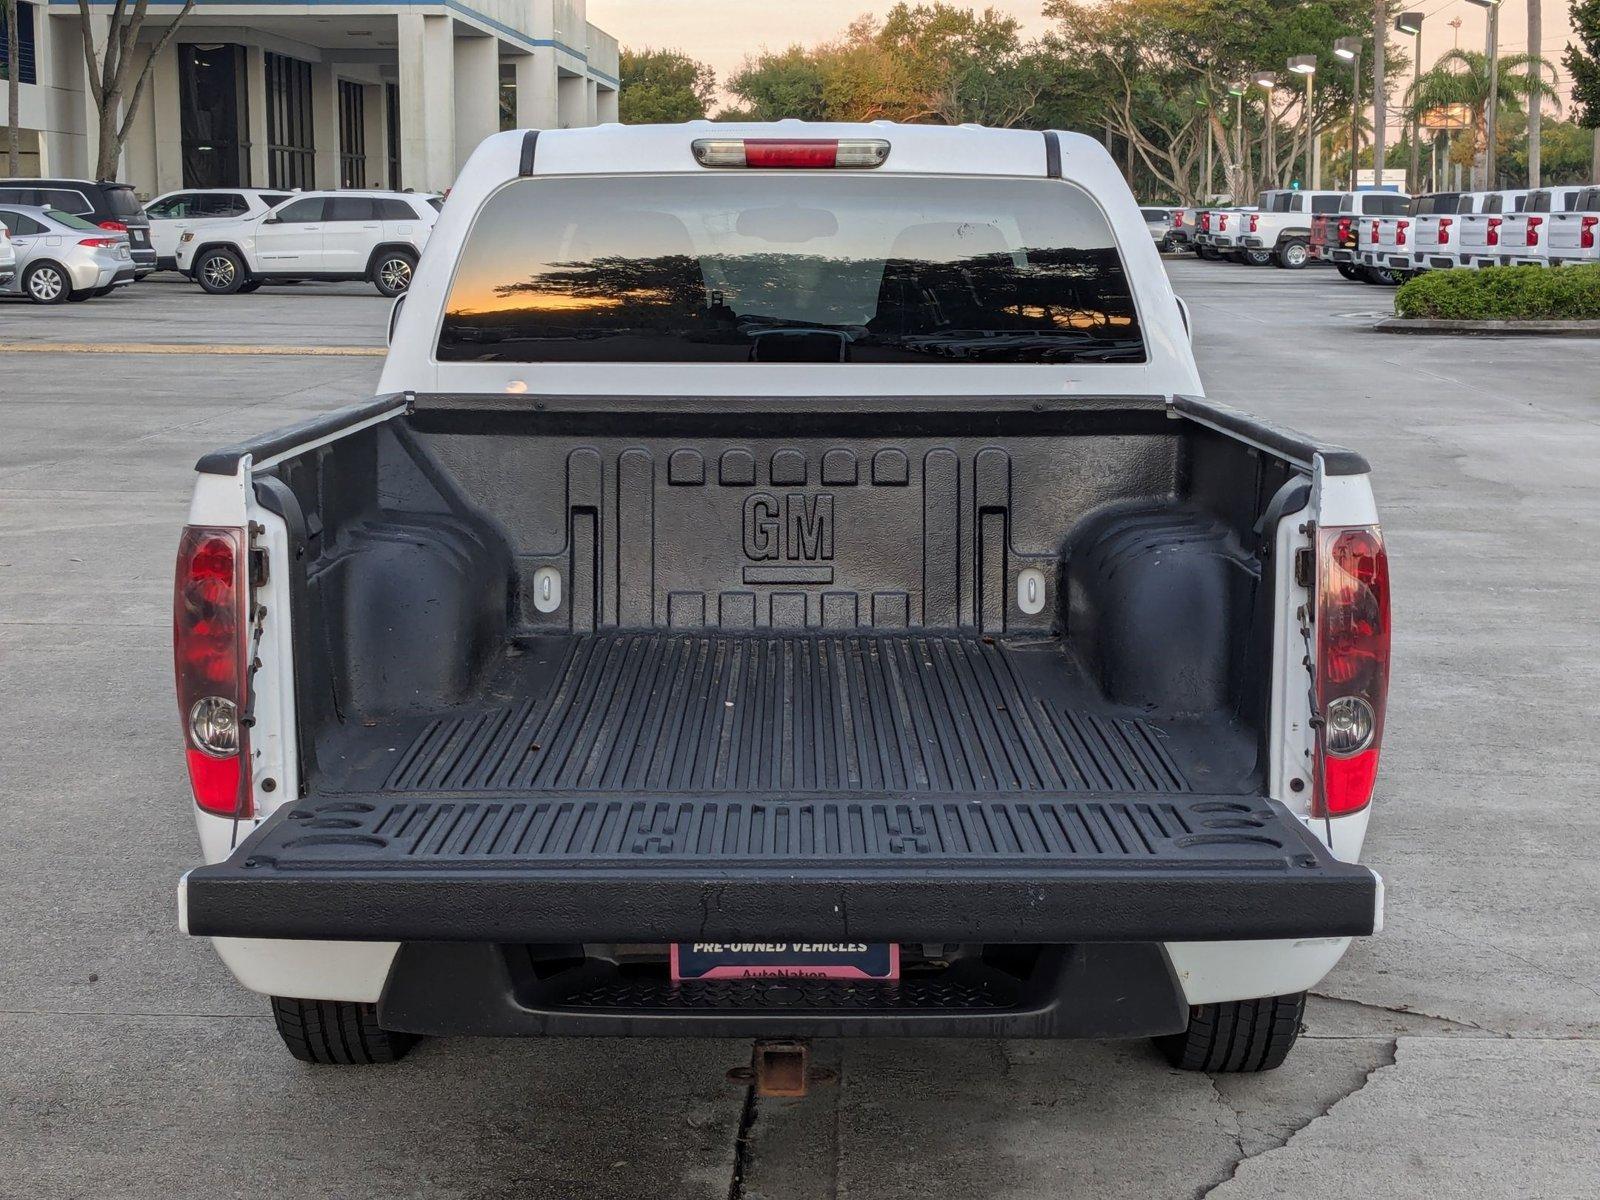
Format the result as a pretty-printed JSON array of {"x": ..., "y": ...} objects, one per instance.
[{"x": 1416, "y": 325}]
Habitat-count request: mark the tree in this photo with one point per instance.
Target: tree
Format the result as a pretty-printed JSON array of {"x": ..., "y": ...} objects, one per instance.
[
  {"x": 788, "y": 83},
  {"x": 8, "y": 21},
  {"x": 662, "y": 86},
  {"x": 109, "y": 72},
  {"x": 1583, "y": 64},
  {"x": 1461, "y": 77}
]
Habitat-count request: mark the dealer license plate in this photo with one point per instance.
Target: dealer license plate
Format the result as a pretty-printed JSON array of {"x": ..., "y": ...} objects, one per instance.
[{"x": 785, "y": 960}]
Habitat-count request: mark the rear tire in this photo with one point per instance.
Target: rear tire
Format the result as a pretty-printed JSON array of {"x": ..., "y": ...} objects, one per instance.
[
  {"x": 1351, "y": 273},
  {"x": 1293, "y": 255},
  {"x": 219, "y": 272},
  {"x": 336, "y": 1032},
  {"x": 1380, "y": 276},
  {"x": 391, "y": 272},
  {"x": 1207, "y": 253},
  {"x": 1236, "y": 1036},
  {"x": 46, "y": 283},
  {"x": 1257, "y": 258}
]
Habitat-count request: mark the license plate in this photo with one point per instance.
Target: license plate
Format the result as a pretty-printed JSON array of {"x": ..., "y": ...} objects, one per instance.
[
  {"x": 139, "y": 236},
  {"x": 785, "y": 960}
]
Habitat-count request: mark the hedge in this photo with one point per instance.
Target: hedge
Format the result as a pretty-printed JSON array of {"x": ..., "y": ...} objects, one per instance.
[{"x": 1503, "y": 294}]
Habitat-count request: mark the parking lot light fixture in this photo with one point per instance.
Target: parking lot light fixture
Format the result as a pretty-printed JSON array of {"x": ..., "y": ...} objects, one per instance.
[
  {"x": 1306, "y": 64},
  {"x": 1349, "y": 49}
]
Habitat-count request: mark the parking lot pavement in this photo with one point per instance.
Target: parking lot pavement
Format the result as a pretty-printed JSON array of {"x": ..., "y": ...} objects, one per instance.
[{"x": 1455, "y": 1055}]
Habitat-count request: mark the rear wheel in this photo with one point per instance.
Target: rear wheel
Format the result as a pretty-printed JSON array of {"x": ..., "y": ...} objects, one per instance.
[
  {"x": 391, "y": 272},
  {"x": 46, "y": 283},
  {"x": 1381, "y": 276},
  {"x": 1349, "y": 272},
  {"x": 1237, "y": 1036},
  {"x": 1257, "y": 258},
  {"x": 220, "y": 272},
  {"x": 336, "y": 1032},
  {"x": 1293, "y": 255},
  {"x": 1207, "y": 253}
]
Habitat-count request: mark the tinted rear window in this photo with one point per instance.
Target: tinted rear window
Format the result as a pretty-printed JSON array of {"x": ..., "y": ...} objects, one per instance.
[
  {"x": 121, "y": 202},
  {"x": 70, "y": 220},
  {"x": 1325, "y": 204},
  {"x": 64, "y": 199},
  {"x": 821, "y": 268},
  {"x": 395, "y": 210}
]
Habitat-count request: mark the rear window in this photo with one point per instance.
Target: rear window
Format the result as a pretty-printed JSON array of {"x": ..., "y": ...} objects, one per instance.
[
  {"x": 121, "y": 202},
  {"x": 70, "y": 220},
  {"x": 64, "y": 199},
  {"x": 1387, "y": 204},
  {"x": 1325, "y": 204},
  {"x": 820, "y": 268}
]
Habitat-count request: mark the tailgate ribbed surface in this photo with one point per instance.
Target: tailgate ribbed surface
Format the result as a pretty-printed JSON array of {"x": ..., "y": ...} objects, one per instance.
[{"x": 662, "y": 712}]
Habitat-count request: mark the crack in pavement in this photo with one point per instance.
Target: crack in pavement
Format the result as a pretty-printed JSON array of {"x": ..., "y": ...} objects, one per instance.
[
  {"x": 1278, "y": 1143},
  {"x": 1402, "y": 1010}
]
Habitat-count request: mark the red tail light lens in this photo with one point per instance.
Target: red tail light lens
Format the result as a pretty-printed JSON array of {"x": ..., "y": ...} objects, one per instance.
[
  {"x": 1444, "y": 230},
  {"x": 1586, "y": 237},
  {"x": 1400, "y": 228},
  {"x": 1255, "y": 222},
  {"x": 114, "y": 226},
  {"x": 1344, "y": 229},
  {"x": 1177, "y": 220},
  {"x": 1492, "y": 238},
  {"x": 1374, "y": 233},
  {"x": 1222, "y": 221},
  {"x": 210, "y": 642},
  {"x": 1352, "y": 624},
  {"x": 1533, "y": 230},
  {"x": 1205, "y": 220},
  {"x": 792, "y": 153},
  {"x": 98, "y": 242}
]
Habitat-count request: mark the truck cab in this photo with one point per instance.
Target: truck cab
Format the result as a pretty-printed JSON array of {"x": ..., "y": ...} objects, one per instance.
[{"x": 789, "y": 584}]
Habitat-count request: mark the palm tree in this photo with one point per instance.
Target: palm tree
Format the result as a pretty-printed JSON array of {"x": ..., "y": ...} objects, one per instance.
[{"x": 1461, "y": 78}]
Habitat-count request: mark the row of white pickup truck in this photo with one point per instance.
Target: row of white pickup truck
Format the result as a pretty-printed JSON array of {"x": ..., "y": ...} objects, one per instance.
[{"x": 1384, "y": 237}]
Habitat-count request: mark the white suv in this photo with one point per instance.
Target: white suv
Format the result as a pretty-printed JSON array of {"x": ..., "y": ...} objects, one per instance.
[
  {"x": 174, "y": 213},
  {"x": 315, "y": 235}
]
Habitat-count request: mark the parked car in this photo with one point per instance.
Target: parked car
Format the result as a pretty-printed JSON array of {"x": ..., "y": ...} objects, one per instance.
[
  {"x": 1436, "y": 228},
  {"x": 619, "y": 670},
  {"x": 1279, "y": 231},
  {"x": 60, "y": 256},
  {"x": 8, "y": 257},
  {"x": 336, "y": 235},
  {"x": 111, "y": 206},
  {"x": 1481, "y": 242},
  {"x": 1335, "y": 236},
  {"x": 1159, "y": 222},
  {"x": 1183, "y": 226},
  {"x": 194, "y": 208},
  {"x": 1548, "y": 228}
]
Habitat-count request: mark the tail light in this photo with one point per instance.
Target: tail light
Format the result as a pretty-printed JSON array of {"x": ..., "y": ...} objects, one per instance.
[
  {"x": 1352, "y": 623},
  {"x": 1205, "y": 221},
  {"x": 1255, "y": 222},
  {"x": 1586, "y": 234},
  {"x": 1375, "y": 233},
  {"x": 1444, "y": 230},
  {"x": 1492, "y": 238},
  {"x": 793, "y": 153},
  {"x": 1222, "y": 221},
  {"x": 1400, "y": 228},
  {"x": 1344, "y": 229},
  {"x": 1177, "y": 219},
  {"x": 99, "y": 243},
  {"x": 114, "y": 226},
  {"x": 1533, "y": 230},
  {"x": 210, "y": 644}
]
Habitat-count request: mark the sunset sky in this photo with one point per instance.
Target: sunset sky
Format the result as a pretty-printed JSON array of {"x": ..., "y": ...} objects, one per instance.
[{"x": 723, "y": 32}]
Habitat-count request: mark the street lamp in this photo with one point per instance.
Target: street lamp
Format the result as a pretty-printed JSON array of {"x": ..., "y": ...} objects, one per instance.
[
  {"x": 1349, "y": 49},
  {"x": 1411, "y": 22},
  {"x": 1237, "y": 91},
  {"x": 1268, "y": 81},
  {"x": 1306, "y": 64},
  {"x": 1491, "y": 52}
]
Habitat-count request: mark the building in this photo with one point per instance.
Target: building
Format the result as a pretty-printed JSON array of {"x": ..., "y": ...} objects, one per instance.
[{"x": 313, "y": 93}]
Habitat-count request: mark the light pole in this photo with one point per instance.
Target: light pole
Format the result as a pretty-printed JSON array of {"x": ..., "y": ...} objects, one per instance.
[
  {"x": 1380, "y": 89},
  {"x": 1411, "y": 22},
  {"x": 1349, "y": 49},
  {"x": 1491, "y": 51},
  {"x": 1237, "y": 91},
  {"x": 1306, "y": 64},
  {"x": 1267, "y": 81}
]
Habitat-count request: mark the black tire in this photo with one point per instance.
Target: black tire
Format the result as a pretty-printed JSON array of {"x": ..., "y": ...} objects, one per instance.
[
  {"x": 1257, "y": 258},
  {"x": 1380, "y": 276},
  {"x": 1350, "y": 272},
  {"x": 1207, "y": 253},
  {"x": 1237, "y": 1036},
  {"x": 391, "y": 272},
  {"x": 47, "y": 283},
  {"x": 220, "y": 272},
  {"x": 1292, "y": 255},
  {"x": 337, "y": 1032}
]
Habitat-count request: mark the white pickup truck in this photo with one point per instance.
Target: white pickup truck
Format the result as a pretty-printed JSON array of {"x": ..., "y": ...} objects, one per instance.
[
  {"x": 1279, "y": 231},
  {"x": 1555, "y": 225},
  {"x": 1436, "y": 228},
  {"x": 789, "y": 585},
  {"x": 1482, "y": 231}
]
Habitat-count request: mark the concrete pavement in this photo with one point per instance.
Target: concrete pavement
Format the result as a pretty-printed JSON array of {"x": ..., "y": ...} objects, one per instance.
[{"x": 1456, "y": 1055}]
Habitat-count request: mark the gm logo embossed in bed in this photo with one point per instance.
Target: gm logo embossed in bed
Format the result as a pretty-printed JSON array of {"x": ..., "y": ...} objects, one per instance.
[{"x": 796, "y": 528}]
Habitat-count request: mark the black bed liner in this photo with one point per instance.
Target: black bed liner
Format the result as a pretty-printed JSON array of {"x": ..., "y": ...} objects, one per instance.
[{"x": 658, "y": 786}]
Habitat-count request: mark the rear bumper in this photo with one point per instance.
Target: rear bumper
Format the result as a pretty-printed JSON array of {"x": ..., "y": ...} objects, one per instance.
[{"x": 1053, "y": 870}]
